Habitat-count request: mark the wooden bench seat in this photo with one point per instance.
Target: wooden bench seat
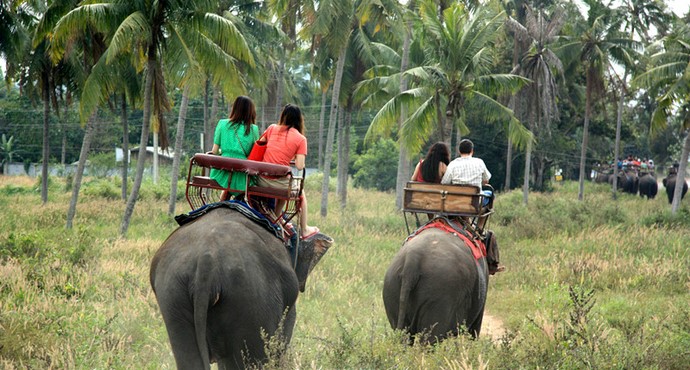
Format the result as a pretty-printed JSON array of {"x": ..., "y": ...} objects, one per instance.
[{"x": 451, "y": 200}]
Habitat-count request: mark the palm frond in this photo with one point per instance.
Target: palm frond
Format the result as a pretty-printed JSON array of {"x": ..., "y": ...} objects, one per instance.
[
  {"x": 132, "y": 29},
  {"x": 494, "y": 111},
  {"x": 500, "y": 84}
]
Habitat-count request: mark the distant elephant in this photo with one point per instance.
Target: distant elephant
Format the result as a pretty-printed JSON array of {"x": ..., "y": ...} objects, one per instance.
[
  {"x": 601, "y": 178},
  {"x": 627, "y": 181},
  {"x": 223, "y": 279},
  {"x": 435, "y": 285},
  {"x": 648, "y": 186},
  {"x": 670, "y": 185}
]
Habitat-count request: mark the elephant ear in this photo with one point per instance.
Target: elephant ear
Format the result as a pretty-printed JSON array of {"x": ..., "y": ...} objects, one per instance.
[
  {"x": 492, "y": 253},
  {"x": 310, "y": 252}
]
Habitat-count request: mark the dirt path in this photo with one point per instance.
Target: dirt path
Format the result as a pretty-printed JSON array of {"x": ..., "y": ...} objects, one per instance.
[{"x": 492, "y": 327}]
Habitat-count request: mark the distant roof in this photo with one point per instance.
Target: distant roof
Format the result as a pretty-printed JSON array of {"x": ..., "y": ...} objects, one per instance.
[{"x": 165, "y": 153}]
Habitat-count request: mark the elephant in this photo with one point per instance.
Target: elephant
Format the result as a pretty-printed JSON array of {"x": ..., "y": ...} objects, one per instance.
[
  {"x": 223, "y": 279},
  {"x": 434, "y": 285},
  {"x": 627, "y": 181},
  {"x": 670, "y": 184},
  {"x": 648, "y": 186}
]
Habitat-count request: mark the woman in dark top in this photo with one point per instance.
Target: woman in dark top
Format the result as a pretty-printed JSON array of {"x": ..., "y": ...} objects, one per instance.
[{"x": 433, "y": 166}]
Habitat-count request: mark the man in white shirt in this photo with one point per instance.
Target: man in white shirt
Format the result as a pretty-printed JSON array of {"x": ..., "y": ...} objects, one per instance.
[{"x": 466, "y": 169}]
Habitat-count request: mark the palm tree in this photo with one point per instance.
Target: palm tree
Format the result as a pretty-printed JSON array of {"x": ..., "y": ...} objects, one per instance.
[
  {"x": 539, "y": 65},
  {"x": 598, "y": 42},
  {"x": 191, "y": 57},
  {"x": 669, "y": 78},
  {"x": 39, "y": 74},
  {"x": 455, "y": 74},
  {"x": 637, "y": 16},
  {"x": 143, "y": 28}
]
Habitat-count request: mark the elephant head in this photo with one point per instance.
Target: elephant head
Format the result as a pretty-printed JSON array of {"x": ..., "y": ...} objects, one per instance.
[{"x": 310, "y": 252}]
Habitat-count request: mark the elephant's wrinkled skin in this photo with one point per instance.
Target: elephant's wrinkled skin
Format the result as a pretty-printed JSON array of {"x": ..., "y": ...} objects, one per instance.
[
  {"x": 434, "y": 286},
  {"x": 648, "y": 186},
  {"x": 670, "y": 184},
  {"x": 221, "y": 280}
]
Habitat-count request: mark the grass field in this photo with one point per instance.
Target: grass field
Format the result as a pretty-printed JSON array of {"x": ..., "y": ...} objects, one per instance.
[{"x": 599, "y": 284}]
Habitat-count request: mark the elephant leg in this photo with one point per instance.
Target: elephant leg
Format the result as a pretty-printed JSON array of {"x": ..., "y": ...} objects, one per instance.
[
  {"x": 182, "y": 336},
  {"x": 476, "y": 326}
]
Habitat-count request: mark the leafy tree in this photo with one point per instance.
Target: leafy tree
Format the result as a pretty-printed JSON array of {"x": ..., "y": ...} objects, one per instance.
[
  {"x": 142, "y": 30},
  {"x": 7, "y": 152},
  {"x": 597, "y": 42},
  {"x": 539, "y": 64},
  {"x": 455, "y": 74},
  {"x": 375, "y": 168},
  {"x": 669, "y": 78}
]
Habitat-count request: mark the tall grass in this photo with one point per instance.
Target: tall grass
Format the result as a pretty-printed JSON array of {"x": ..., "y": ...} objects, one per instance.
[{"x": 592, "y": 284}]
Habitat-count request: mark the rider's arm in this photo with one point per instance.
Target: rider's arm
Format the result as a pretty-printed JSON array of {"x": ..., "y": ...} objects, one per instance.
[
  {"x": 299, "y": 161},
  {"x": 215, "y": 149}
]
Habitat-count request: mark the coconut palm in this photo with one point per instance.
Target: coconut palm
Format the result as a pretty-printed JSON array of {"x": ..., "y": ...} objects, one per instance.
[
  {"x": 142, "y": 29},
  {"x": 669, "y": 78},
  {"x": 637, "y": 17},
  {"x": 455, "y": 74},
  {"x": 598, "y": 42},
  {"x": 539, "y": 64}
]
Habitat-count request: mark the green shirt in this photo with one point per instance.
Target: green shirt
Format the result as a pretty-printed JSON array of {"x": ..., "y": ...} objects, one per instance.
[{"x": 233, "y": 143}]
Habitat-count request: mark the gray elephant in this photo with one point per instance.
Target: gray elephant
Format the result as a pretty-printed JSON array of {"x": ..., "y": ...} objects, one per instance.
[
  {"x": 220, "y": 281},
  {"x": 648, "y": 186},
  {"x": 628, "y": 181},
  {"x": 435, "y": 285},
  {"x": 670, "y": 184}
]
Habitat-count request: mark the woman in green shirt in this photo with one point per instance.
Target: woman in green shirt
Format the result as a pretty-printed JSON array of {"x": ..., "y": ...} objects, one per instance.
[{"x": 234, "y": 138}]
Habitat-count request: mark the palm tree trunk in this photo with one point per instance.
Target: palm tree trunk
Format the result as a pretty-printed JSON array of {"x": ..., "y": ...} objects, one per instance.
[
  {"x": 46, "y": 144},
  {"x": 403, "y": 173},
  {"x": 509, "y": 165},
  {"x": 525, "y": 182},
  {"x": 585, "y": 139},
  {"x": 155, "y": 158},
  {"x": 179, "y": 138},
  {"x": 207, "y": 130},
  {"x": 279, "y": 88},
  {"x": 322, "y": 118},
  {"x": 83, "y": 155},
  {"x": 680, "y": 178},
  {"x": 339, "y": 143},
  {"x": 141, "y": 158},
  {"x": 213, "y": 120},
  {"x": 125, "y": 146},
  {"x": 331, "y": 131},
  {"x": 344, "y": 158},
  {"x": 616, "y": 150}
]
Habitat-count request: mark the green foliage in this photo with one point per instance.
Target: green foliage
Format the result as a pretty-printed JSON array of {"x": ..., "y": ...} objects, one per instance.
[{"x": 376, "y": 167}]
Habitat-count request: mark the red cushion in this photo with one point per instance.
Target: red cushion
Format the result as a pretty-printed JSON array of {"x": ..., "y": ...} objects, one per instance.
[{"x": 241, "y": 165}]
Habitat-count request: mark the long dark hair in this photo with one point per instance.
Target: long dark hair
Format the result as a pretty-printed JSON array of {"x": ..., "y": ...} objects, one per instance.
[
  {"x": 243, "y": 113},
  {"x": 437, "y": 153},
  {"x": 291, "y": 116}
]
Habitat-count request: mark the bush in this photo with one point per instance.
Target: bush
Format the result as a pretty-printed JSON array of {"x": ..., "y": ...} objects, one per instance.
[{"x": 377, "y": 167}]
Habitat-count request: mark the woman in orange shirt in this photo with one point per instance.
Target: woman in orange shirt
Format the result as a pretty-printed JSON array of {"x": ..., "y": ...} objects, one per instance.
[{"x": 286, "y": 142}]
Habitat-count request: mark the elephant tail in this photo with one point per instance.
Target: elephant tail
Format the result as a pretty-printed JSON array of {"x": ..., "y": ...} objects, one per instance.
[
  {"x": 410, "y": 276},
  {"x": 203, "y": 300}
]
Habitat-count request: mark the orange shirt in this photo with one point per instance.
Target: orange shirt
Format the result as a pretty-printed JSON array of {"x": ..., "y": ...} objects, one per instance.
[{"x": 283, "y": 144}]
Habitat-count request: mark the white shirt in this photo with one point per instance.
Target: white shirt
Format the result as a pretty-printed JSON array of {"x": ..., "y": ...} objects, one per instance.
[{"x": 466, "y": 171}]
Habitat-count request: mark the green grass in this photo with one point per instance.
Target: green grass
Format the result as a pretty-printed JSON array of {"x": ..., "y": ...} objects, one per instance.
[{"x": 595, "y": 284}]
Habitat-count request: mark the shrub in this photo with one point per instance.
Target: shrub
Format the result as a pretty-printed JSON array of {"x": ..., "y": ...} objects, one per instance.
[{"x": 377, "y": 167}]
